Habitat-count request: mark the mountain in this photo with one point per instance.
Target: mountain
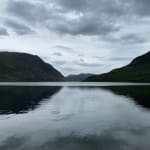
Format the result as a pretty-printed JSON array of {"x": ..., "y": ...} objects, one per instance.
[
  {"x": 26, "y": 67},
  {"x": 137, "y": 71},
  {"x": 78, "y": 77}
]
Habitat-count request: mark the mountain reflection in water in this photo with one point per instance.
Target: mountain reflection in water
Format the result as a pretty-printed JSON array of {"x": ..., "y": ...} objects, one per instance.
[
  {"x": 22, "y": 99},
  {"x": 139, "y": 94}
]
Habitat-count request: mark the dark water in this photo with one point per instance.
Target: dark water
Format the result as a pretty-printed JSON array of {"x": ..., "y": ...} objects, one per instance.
[{"x": 75, "y": 118}]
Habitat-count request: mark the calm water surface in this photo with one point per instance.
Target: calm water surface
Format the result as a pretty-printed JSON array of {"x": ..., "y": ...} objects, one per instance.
[{"x": 90, "y": 117}]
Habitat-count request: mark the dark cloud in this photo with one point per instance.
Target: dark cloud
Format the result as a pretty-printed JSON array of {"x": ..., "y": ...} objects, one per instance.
[
  {"x": 28, "y": 11},
  {"x": 91, "y": 18},
  {"x": 101, "y": 7},
  {"x": 85, "y": 26},
  {"x": 3, "y": 32},
  {"x": 72, "y": 5},
  {"x": 87, "y": 22},
  {"x": 80, "y": 17},
  {"x": 18, "y": 28},
  {"x": 141, "y": 7}
]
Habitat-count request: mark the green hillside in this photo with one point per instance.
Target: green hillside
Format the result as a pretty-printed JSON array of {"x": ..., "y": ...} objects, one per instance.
[
  {"x": 137, "y": 71},
  {"x": 26, "y": 67}
]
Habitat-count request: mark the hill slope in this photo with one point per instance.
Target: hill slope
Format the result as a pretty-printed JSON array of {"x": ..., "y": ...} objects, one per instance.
[
  {"x": 26, "y": 67},
  {"x": 137, "y": 71}
]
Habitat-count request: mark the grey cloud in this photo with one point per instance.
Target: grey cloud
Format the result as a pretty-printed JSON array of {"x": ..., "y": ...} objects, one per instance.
[
  {"x": 85, "y": 26},
  {"x": 76, "y": 5},
  {"x": 104, "y": 58},
  {"x": 90, "y": 22},
  {"x": 3, "y": 31},
  {"x": 69, "y": 69},
  {"x": 45, "y": 57},
  {"x": 64, "y": 48},
  {"x": 99, "y": 57},
  {"x": 102, "y": 18},
  {"x": 120, "y": 58},
  {"x": 57, "y": 54},
  {"x": 103, "y": 6},
  {"x": 18, "y": 28},
  {"x": 96, "y": 17},
  {"x": 108, "y": 7},
  {"x": 80, "y": 55},
  {"x": 28, "y": 11},
  {"x": 141, "y": 7},
  {"x": 59, "y": 62},
  {"x": 75, "y": 63},
  {"x": 81, "y": 60},
  {"x": 85, "y": 64},
  {"x": 132, "y": 38}
]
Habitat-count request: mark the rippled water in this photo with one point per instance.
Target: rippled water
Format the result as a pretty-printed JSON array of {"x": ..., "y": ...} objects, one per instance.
[{"x": 75, "y": 118}]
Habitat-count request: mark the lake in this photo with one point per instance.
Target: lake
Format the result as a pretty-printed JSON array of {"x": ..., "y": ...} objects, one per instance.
[{"x": 74, "y": 116}]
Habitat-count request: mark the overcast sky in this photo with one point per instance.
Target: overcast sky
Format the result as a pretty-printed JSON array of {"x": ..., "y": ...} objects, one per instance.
[{"x": 90, "y": 36}]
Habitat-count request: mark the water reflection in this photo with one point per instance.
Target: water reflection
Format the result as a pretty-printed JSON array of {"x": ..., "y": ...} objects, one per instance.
[
  {"x": 140, "y": 94},
  {"x": 21, "y": 99},
  {"x": 80, "y": 118}
]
